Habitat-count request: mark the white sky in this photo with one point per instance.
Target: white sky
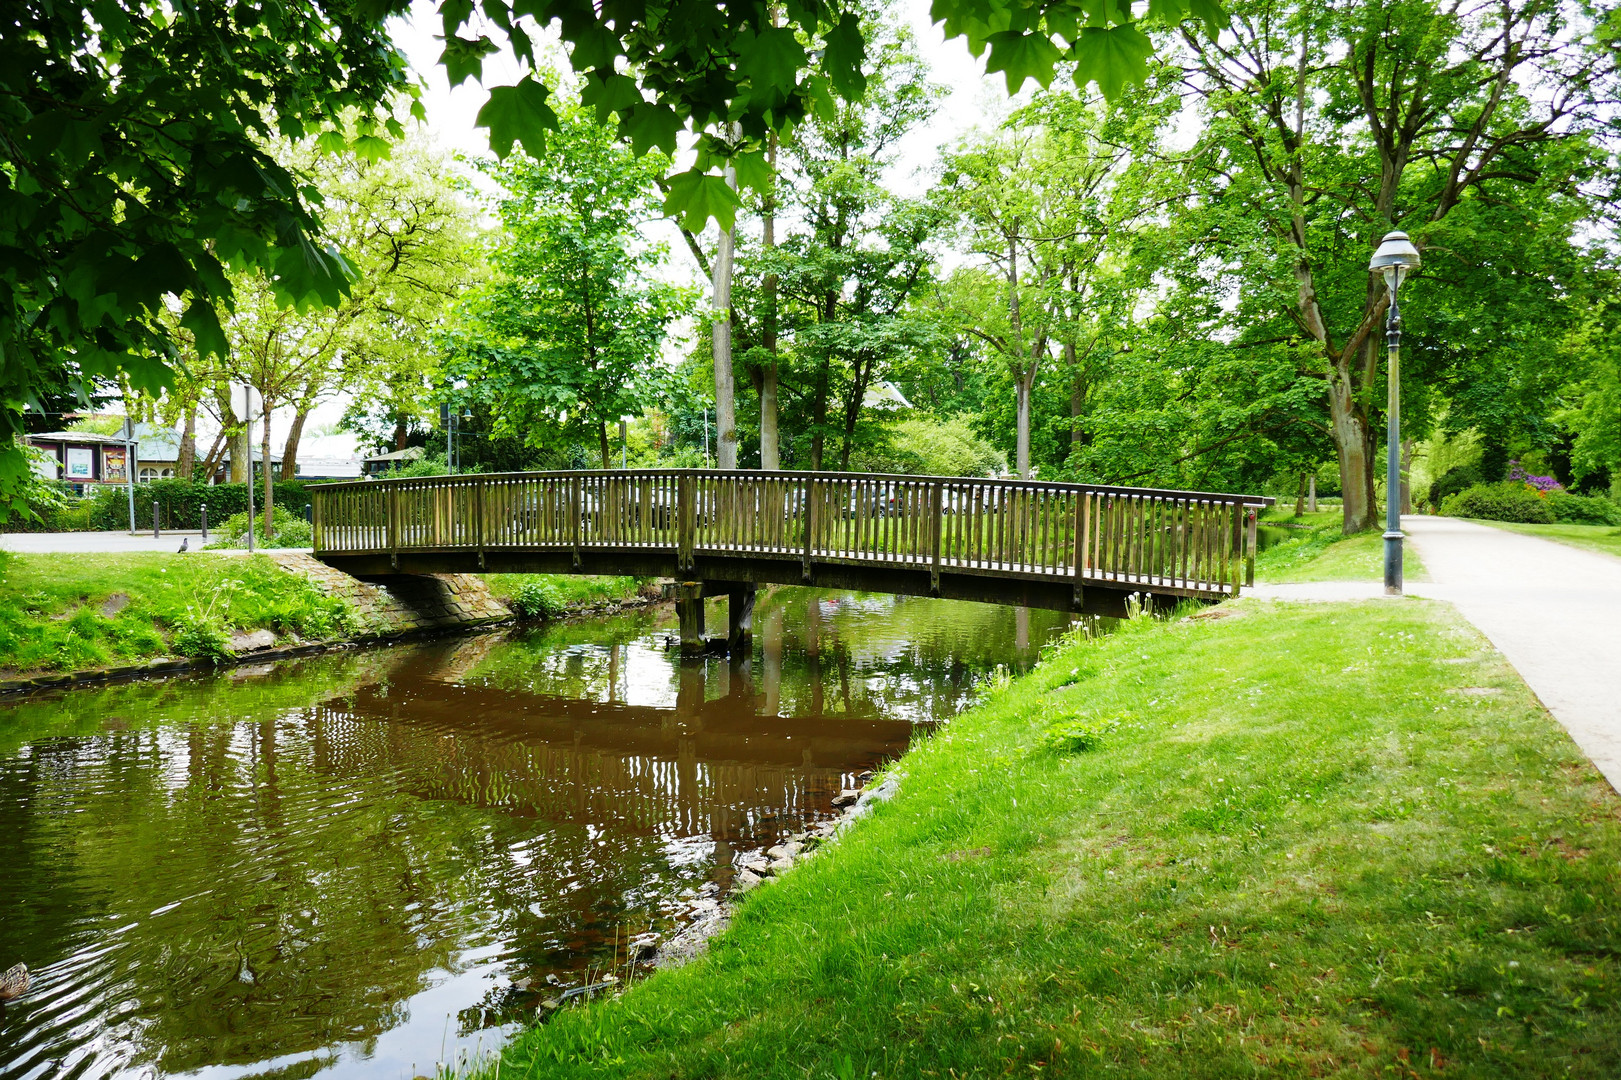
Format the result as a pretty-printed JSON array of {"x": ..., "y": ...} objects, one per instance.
[{"x": 452, "y": 116}]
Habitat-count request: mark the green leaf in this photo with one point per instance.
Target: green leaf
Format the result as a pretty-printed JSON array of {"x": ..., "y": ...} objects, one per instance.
[
  {"x": 204, "y": 324},
  {"x": 649, "y": 125},
  {"x": 331, "y": 142},
  {"x": 753, "y": 170},
  {"x": 696, "y": 197},
  {"x": 614, "y": 94},
  {"x": 1166, "y": 12},
  {"x": 464, "y": 59},
  {"x": 842, "y": 56},
  {"x": 1114, "y": 58},
  {"x": 1024, "y": 56},
  {"x": 373, "y": 147},
  {"x": 1211, "y": 13},
  {"x": 453, "y": 13},
  {"x": 771, "y": 63},
  {"x": 518, "y": 114},
  {"x": 595, "y": 46}
]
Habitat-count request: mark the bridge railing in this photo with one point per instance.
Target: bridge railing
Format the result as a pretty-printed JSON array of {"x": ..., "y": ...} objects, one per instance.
[{"x": 1184, "y": 541}]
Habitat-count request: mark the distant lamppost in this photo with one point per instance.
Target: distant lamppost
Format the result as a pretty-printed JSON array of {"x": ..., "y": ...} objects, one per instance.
[{"x": 1395, "y": 258}]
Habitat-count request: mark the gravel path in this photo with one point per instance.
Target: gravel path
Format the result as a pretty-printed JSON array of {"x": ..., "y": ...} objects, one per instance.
[{"x": 1554, "y": 611}]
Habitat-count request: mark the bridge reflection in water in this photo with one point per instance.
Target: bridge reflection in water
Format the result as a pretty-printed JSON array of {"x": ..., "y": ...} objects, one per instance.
[{"x": 269, "y": 872}]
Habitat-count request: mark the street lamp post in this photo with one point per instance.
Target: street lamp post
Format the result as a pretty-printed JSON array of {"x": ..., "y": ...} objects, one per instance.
[{"x": 1394, "y": 260}]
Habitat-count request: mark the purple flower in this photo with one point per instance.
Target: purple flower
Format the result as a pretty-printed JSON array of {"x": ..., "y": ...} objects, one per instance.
[{"x": 1541, "y": 484}]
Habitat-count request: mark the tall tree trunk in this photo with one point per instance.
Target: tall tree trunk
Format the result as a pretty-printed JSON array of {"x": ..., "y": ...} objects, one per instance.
[
  {"x": 1023, "y": 450},
  {"x": 1406, "y": 503},
  {"x": 188, "y": 445},
  {"x": 1356, "y": 447},
  {"x": 1300, "y": 497},
  {"x": 211, "y": 463},
  {"x": 852, "y": 408},
  {"x": 770, "y": 449},
  {"x": 721, "y": 336},
  {"x": 289, "y": 451},
  {"x": 270, "y": 477},
  {"x": 603, "y": 446},
  {"x": 1077, "y": 404},
  {"x": 399, "y": 431},
  {"x": 819, "y": 417},
  {"x": 241, "y": 452}
]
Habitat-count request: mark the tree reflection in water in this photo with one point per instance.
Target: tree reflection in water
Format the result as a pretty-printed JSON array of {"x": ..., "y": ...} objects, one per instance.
[{"x": 367, "y": 861}]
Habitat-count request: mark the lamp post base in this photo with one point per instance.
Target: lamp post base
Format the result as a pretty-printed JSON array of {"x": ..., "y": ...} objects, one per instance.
[{"x": 1393, "y": 541}]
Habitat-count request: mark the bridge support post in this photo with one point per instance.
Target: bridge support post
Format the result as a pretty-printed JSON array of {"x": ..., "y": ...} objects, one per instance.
[
  {"x": 740, "y": 621},
  {"x": 689, "y": 608}
]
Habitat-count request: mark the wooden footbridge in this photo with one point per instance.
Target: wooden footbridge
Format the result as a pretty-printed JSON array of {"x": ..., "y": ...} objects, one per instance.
[{"x": 1070, "y": 547}]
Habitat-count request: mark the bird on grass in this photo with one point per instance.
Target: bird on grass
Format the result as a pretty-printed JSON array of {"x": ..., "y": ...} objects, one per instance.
[
  {"x": 185, "y": 542},
  {"x": 14, "y": 982}
]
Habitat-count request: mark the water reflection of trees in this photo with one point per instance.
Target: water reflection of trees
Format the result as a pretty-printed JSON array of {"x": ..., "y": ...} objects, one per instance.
[{"x": 243, "y": 870}]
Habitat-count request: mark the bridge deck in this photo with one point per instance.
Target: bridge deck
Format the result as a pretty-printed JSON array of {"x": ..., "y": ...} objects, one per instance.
[{"x": 1067, "y": 546}]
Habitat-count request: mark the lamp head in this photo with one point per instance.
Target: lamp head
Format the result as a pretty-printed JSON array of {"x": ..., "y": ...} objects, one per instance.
[{"x": 1395, "y": 258}]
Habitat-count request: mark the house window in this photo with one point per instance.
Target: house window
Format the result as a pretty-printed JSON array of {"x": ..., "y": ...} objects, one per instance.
[{"x": 148, "y": 474}]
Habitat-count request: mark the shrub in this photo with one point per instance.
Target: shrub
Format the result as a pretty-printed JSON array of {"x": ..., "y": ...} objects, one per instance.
[
  {"x": 1454, "y": 480},
  {"x": 1505, "y": 501},
  {"x": 291, "y": 530},
  {"x": 1583, "y": 509},
  {"x": 537, "y": 600}
]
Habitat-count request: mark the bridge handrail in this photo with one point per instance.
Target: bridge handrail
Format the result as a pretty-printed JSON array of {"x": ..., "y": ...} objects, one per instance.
[
  {"x": 1186, "y": 541},
  {"x": 786, "y": 474}
]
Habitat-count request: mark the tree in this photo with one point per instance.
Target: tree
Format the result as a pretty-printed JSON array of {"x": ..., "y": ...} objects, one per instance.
[
  {"x": 134, "y": 130},
  {"x": 834, "y": 296},
  {"x": 1465, "y": 122},
  {"x": 567, "y": 338},
  {"x": 1047, "y": 203},
  {"x": 407, "y": 231},
  {"x": 133, "y": 173}
]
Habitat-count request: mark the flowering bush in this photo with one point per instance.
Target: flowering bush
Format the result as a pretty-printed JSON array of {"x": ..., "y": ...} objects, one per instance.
[
  {"x": 1510, "y": 500},
  {"x": 1538, "y": 483}
]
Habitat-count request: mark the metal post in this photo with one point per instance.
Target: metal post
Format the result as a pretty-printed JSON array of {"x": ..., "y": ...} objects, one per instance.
[
  {"x": 154, "y": 519},
  {"x": 130, "y": 446},
  {"x": 1393, "y": 535},
  {"x": 247, "y": 408},
  {"x": 309, "y": 514},
  {"x": 204, "y": 508}
]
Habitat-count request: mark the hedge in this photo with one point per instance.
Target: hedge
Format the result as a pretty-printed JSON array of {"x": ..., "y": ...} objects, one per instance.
[{"x": 180, "y": 503}]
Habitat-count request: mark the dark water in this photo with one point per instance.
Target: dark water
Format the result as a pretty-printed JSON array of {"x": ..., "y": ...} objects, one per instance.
[{"x": 368, "y": 863}]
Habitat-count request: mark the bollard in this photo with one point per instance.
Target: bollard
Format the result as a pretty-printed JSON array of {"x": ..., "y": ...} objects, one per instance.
[
  {"x": 154, "y": 519},
  {"x": 309, "y": 514},
  {"x": 204, "y": 508}
]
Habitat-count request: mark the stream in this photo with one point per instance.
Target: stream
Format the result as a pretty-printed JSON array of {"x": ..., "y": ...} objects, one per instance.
[{"x": 374, "y": 861}]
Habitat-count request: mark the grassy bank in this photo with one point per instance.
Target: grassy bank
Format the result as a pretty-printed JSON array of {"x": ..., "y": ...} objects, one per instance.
[
  {"x": 1605, "y": 539},
  {"x": 1315, "y": 549},
  {"x": 74, "y": 613},
  {"x": 1308, "y": 840},
  {"x": 569, "y": 591},
  {"x": 61, "y": 613}
]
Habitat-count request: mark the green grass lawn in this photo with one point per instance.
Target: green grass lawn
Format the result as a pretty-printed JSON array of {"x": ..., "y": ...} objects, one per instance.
[
  {"x": 57, "y": 612},
  {"x": 1315, "y": 840},
  {"x": 1316, "y": 550},
  {"x": 1605, "y": 539}
]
